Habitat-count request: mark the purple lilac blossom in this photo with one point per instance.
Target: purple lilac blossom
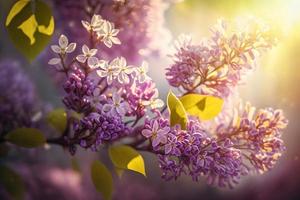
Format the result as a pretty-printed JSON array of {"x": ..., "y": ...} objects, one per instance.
[
  {"x": 218, "y": 64},
  {"x": 18, "y": 98},
  {"x": 251, "y": 143}
]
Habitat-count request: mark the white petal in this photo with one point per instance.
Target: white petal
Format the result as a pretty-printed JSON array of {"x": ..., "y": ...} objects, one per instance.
[
  {"x": 55, "y": 48},
  {"x": 81, "y": 58},
  {"x": 115, "y": 40},
  {"x": 109, "y": 79},
  {"x": 86, "y": 25},
  {"x": 122, "y": 62},
  {"x": 71, "y": 48},
  {"x": 108, "y": 43},
  {"x": 103, "y": 64},
  {"x": 92, "y": 62},
  {"x": 101, "y": 73},
  {"x": 93, "y": 52},
  {"x": 85, "y": 49},
  {"x": 158, "y": 103},
  {"x": 54, "y": 61},
  {"x": 115, "y": 32},
  {"x": 63, "y": 41}
]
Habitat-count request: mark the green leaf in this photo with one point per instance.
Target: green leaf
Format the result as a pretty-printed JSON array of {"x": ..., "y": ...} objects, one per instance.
[
  {"x": 26, "y": 137},
  {"x": 125, "y": 157},
  {"x": 203, "y": 106},
  {"x": 30, "y": 30},
  {"x": 58, "y": 119},
  {"x": 12, "y": 182},
  {"x": 177, "y": 112},
  {"x": 102, "y": 179}
]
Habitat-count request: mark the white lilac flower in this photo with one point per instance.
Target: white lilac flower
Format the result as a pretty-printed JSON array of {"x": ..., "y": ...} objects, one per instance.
[
  {"x": 117, "y": 106},
  {"x": 142, "y": 72},
  {"x": 64, "y": 46},
  {"x": 88, "y": 55},
  {"x": 108, "y": 34},
  {"x": 107, "y": 70},
  {"x": 124, "y": 70},
  {"x": 95, "y": 25},
  {"x": 154, "y": 103}
]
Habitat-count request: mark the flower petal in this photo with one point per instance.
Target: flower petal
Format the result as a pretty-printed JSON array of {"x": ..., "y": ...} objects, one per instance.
[
  {"x": 71, "y": 47},
  {"x": 54, "y": 61},
  {"x": 81, "y": 58},
  {"x": 63, "y": 41},
  {"x": 55, "y": 48},
  {"x": 93, "y": 62},
  {"x": 147, "y": 133}
]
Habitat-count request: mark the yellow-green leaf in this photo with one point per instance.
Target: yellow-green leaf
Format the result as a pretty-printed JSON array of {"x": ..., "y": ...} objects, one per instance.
[
  {"x": 102, "y": 179},
  {"x": 26, "y": 137},
  {"x": 177, "y": 112},
  {"x": 30, "y": 29},
  {"x": 119, "y": 172},
  {"x": 125, "y": 157},
  {"x": 58, "y": 119},
  {"x": 203, "y": 106},
  {"x": 12, "y": 182}
]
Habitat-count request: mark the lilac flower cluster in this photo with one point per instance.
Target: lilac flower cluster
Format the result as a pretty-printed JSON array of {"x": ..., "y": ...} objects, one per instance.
[
  {"x": 141, "y": 24},
  {"x": 253, "y": 143},
  {"x": 110, "y": 95},
  {"x": 218, "y": 64},
  {"x": 18, "y": 98},
  {"x": 97, "y": 128}
]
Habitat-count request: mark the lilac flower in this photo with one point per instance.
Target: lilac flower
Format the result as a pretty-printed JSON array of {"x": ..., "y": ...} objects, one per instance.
[
  {"x": 19, "y": 102},
  {"x": 142, "y": 72},
  {"x": 78, "y": 88},
  {"x": 89, "y": 56},
  {"x": 123, "y": 69},
  {"x": 217, "y": 65},
  {"x": 116, "y": 107},
  {"x": 108, "y": 71},
  {"x": 98, "y": 128},
  {"x": 95, "y": 25},
  {"x": 158, "y": 135},
  {"x": 108, "y": 34}
]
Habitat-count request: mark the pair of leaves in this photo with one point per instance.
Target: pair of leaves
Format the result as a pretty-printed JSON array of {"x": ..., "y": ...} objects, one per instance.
[
  {"x": 12, "y": 182},
  {"x": 124, "y": 158},
  {"x": 30, "y": 25},
  {"x": 26, "y": 137},
  {"x": 203, "y": 106}
]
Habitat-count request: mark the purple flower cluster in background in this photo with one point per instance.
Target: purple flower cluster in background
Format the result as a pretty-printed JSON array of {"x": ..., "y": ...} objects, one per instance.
[
  {"x": 218, "y": 64},
  {"x": 18, "y": 98}
]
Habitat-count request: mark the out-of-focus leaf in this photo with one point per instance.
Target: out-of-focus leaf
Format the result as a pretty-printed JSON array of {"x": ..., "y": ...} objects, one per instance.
[
  {"x": 102, "y": 179},
  {"x": 12, "y": 182},
  {"x": 30, "y": 25},
  {"x": 58, "y": 119},
  {"x": 26, "y": 137},
  {"x": 177, "y": 112},
  {"x": 125, "y": 157},
  {"x": 203, "y": 106}
]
